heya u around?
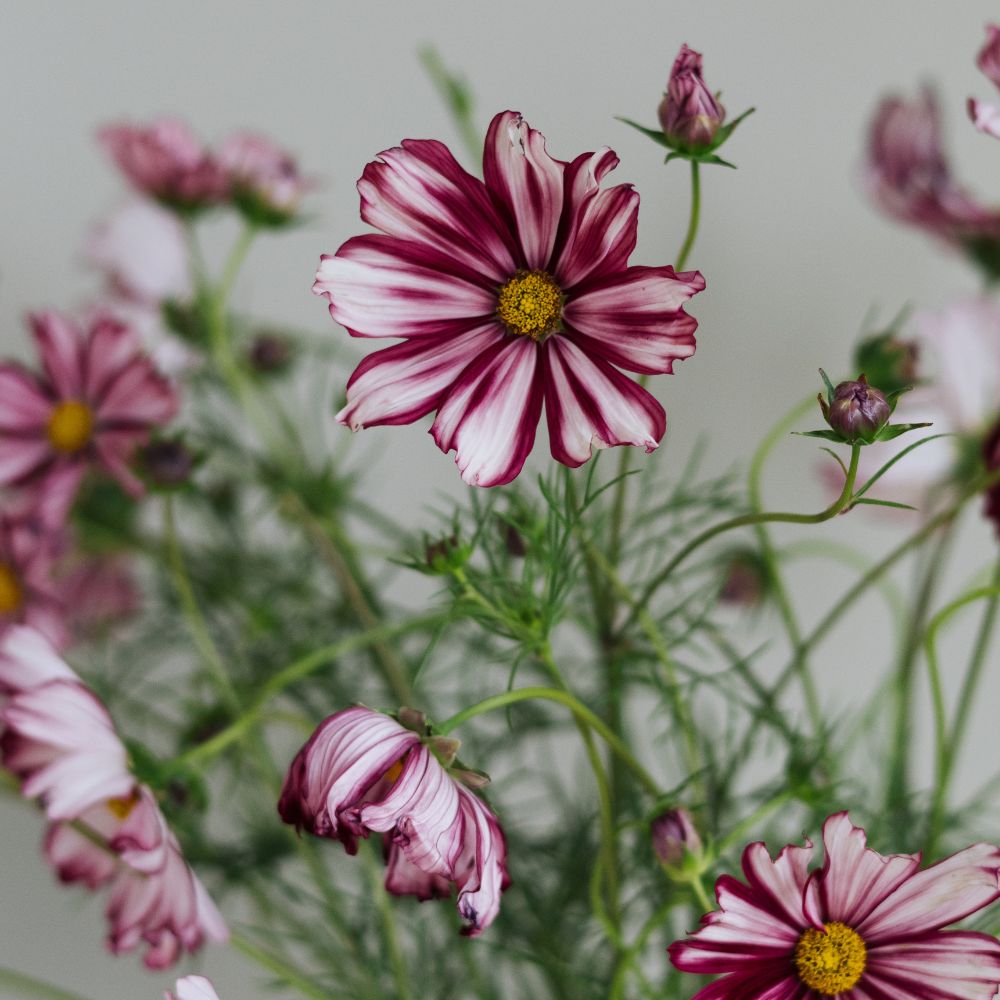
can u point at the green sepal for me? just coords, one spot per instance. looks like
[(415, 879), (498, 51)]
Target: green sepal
[(891, 431), (822, 435), (656, 134)]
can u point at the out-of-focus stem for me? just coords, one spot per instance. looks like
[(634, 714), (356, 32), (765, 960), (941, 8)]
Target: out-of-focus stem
[(285, 971), (29, 986), (389, 933)]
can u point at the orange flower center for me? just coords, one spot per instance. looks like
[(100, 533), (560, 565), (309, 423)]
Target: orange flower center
[(71, 426), (11, 594), (122, 806), (392, 775), (530, 304), (832, 960)]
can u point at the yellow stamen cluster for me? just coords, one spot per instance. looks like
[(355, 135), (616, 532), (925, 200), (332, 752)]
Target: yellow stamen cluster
[(70, 426), (830, 961), (392, 775), (530, 304), (11, 594), (122, 806)]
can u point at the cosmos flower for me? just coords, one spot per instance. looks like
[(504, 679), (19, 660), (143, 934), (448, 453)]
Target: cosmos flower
[(264, 180), (861, 927), (105, 827), (508, 295), (96, 402), (28, 593), (690, 115), (362, 771), (165, 161)]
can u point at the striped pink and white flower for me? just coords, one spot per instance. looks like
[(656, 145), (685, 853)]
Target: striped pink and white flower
[(511, 294), (863, 927), (192, 988), (96, 401), (363, 772), (29, 594), (105, 827)]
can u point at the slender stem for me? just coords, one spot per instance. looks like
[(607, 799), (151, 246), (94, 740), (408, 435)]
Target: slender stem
[(28, 986), (695, 217), (285, 971), (700, 894), (390, 934), (197, 626), (748, 520), (578, 709), (294, 672)]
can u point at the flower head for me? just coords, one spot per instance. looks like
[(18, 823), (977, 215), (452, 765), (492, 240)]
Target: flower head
[(96, 401), (690, 114), (861, 926), (264, 180), (28, 593), (105, 827), (165, 161), (362, 771), (510, 295)]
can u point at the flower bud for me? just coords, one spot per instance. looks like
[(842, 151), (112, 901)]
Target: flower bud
[(891, 361), (269, 353), (264, 181), (857, 411), (690, 116), (166, 463), (745, 580), (674, 836)]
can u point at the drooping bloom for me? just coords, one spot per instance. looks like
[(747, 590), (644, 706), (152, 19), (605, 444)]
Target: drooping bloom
[(861, 927), (362, 771), (986, 116), (690, 115), (165, 161), (105, 827), (508, 295), (264, 180), (28, 592), (908, 176), (96, 401)]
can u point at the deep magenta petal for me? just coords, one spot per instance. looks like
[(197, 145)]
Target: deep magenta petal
[(61, 347)]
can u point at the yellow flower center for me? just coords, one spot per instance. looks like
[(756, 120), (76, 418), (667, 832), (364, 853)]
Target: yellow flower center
[(530, 305), (122, 806), (11, 594), (71, 426), (832, 960), (392, 775)]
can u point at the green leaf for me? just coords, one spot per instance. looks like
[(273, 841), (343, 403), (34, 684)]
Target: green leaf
[(882, 503), (828, 384), (837, 459), (891, 431), (727, 130), (896, 458), (653, 133)]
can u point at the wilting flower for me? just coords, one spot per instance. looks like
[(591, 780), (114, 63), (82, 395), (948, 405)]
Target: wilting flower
[(192, 988), (28, 593), (361, 771), (264, 180), (508, 294), (96, 402), (165, 161), (862, 926), (105, 827), (690, 115), (908, 176), (985, 116)]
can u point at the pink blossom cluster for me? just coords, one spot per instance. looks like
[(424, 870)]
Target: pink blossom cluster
[(105, 829)]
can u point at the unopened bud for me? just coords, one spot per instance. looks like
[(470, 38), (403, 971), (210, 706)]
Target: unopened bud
[(690, 115), (269, 353), (166, 463), (745, 580), (888, 360), (857, 411), (674, 837)]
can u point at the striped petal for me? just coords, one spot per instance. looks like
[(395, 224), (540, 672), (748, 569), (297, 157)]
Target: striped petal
[(482, 877), (491, 413), (20, 458), (985, 116), (635, 319), (589, 404), (404, 382), (527, 182), (27, 659), (384, 287), (600, 226), (419, 192), (61, 346), (24, 404)]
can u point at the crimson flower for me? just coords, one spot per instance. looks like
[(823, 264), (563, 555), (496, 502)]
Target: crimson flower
[(105, 828), (862, 927), (361, 771), (508, 295), (96, 402)]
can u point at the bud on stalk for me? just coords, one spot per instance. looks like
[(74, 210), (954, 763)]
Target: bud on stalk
[(857, 411)]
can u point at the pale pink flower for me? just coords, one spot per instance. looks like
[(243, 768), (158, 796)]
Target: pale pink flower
[(361, 771), (985, 116), (28, 592), (509, 295), (165, 161), (192, 988), (105, 827), (690, 115), (95, 403), (864, 926), (264, 180)]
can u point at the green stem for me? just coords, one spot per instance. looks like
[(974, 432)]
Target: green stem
[(390, 934), (575, 706), (694, 219), (291, 674), (285, 971), (700, 894), (748, 520), (197, 626), (28, 986)]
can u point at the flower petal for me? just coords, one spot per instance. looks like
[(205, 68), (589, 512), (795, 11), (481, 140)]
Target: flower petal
[(528, 183), (379, 286), (635, 319), (24, 405), (985, 116), (937, 896), (589, 404), (418, 191), (61, 345), (21, 457), (404, 382), (27, 659), (193, 988), (482, 874), (600, 226), (491, 413)]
